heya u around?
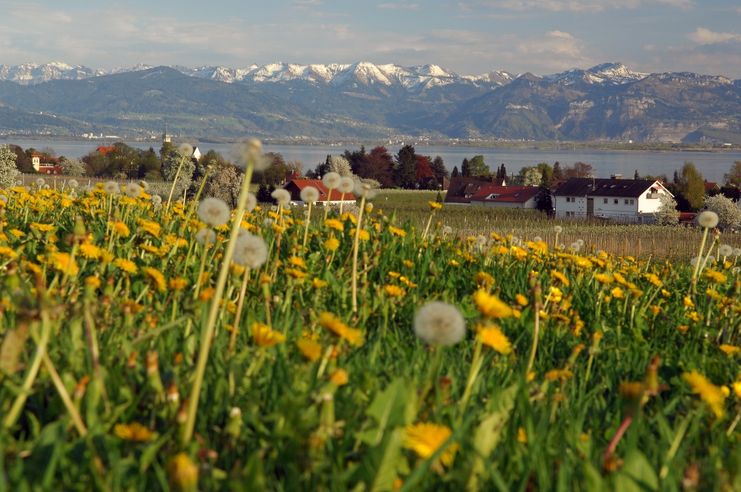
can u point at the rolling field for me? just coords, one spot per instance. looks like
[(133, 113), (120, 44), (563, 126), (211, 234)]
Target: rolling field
[(148, 345)]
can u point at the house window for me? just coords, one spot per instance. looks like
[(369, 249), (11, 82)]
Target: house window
[(605, 200), (616, 201), (632, 201), (626, 201)]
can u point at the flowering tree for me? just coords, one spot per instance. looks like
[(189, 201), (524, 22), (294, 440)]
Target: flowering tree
[(73, 167), (667, 213), (729, 214), (8, 171), (340, 165)]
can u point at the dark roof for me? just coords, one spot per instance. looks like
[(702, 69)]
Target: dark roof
[(461, 189), (508, 194), (632, 188), (296, 185)]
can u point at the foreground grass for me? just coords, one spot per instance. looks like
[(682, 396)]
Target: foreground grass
[(577, 371)]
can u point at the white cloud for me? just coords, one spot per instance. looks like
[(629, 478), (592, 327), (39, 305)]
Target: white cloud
[(398, 6), (681, 4), (561, 5), (702, 35)]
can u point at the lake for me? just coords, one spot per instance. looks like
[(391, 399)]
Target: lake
[(713, 165)]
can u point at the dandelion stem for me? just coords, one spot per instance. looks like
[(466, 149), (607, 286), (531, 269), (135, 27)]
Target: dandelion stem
[(473, 373), (699, 259), (208, 331), (238, 314), (306, 228), (355, 257), (59, 385), (174, 182)]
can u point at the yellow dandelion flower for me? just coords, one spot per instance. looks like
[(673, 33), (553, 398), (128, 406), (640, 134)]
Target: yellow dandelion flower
[(617, 293), (318, 283), (687, 302), (715, 276), (183, 473), (8, 252), (393, 290), (435, 205), (295, 273), (332, 243), (64, 263), (558, 374), (309, 349), (493, 337), (554, 294), (332, 323), (41, 227), (178, 283), (120, 228), (394, 274), (127, 266), (264, 336), (90, 251), (521, 300), (339, 377), (334, 224), (560, 277), (364, 235), (297, 261), (426, 438), (730, 349), (521, 435), (157, 278), (395, 231), (707, 391), (135, 432), (17, 233), (150, 227), (484, 279), (92, 281), (603, 278), (490, 305)]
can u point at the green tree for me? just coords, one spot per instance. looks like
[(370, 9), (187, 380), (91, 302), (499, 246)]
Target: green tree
[(478, 168), (546, 174), (438, 170), (170, 170), (557, 176), (733, 178), (406, 167), (9, 173), (465, 168), (691, 185), (455, 172)]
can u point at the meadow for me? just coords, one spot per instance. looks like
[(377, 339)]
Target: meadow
[(155, 344)]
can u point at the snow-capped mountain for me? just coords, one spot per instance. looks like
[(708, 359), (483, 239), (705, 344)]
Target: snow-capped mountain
[(34, 73), (603, 74)]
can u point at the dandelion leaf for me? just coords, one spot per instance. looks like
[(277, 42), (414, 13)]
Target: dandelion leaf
[(395, 406), (637, 474)]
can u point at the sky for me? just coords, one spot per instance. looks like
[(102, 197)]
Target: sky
[(465, 36)]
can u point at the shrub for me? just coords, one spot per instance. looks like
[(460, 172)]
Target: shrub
[(729, 214)]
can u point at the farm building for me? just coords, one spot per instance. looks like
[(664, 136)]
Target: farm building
[(624, 200), (295, 186), (492, 195), (44, 164)]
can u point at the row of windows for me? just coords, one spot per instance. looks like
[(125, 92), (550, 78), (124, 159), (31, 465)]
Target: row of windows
[(628, 201)]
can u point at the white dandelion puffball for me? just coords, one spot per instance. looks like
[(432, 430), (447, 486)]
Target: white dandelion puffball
[(3, 199), (736, 251), (281, 196), (447, 230), (248, 153), (580, 242), (331, 180), (725, 250), (575, 246), (694, 261), (40, 182), (185, 150), (133, 190), (346, 185), (562, 246), (711, 259), (111, 187), (72, 183), (557, 229), (213, 212), (46, 187), (707, 219), (250, 251), (144, 185), (364, 190), (537, 239), (309, 194), (439, 323), (251, 202), (206, 236), (156, 200)]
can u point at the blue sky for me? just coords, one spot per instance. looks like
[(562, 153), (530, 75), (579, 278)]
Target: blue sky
[(466, 36)]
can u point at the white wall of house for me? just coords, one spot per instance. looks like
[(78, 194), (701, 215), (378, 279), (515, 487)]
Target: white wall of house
[(35, 162), (570, 206), (626, 209), (528, 204), (620, 208)]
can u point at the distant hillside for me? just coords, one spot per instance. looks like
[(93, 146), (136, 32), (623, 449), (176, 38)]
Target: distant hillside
[(363, 100)]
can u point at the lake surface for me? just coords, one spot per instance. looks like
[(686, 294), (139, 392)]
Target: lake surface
[(713, 165)]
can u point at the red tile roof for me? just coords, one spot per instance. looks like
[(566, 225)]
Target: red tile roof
[(509, 194), (296, 185)]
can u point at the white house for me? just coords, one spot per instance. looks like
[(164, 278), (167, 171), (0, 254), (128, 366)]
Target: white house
[(492, 195), (623, 200)]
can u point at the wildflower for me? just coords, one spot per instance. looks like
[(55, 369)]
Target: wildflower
[(183, 473), (715, 276), (725, 250), (150, 227), (213, 212), (708, 392), (318, 283), (364, 190), (120, 228), (133, 190), (250, 251), (332, 243), (687, 301), (558, 374), (339, 377), (363, 235), (435, 205), (554, 294), (92, 281), (309, 194), (112, 188), (617, 293), (557, 229), (730, 349), (490, 305), (707, 219), (521, 300), (346, 185), (493, 337), (560, 277), (89, 250), (281, 196), (64, 263), (297, 261), (157, 278), (309, 349), (178, 283), (205, 236), (484, 279), (425, 439), (395, 231), (135, 432), (335, 325), (439, 323), (331, 180), (393, 290), (125, 265), (264, 336), (8, 252), (295, 273), (521, 435), (41, 227), (334, 224)]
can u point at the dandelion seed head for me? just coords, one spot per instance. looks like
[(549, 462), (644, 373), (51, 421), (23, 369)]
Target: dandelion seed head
[(447, 230), (364, 190), (309, 194), (557, 229), (72, 183), (346, 185), (575, 246), (737, 252), (248, 153), (250, 251), (251, 202), (40, 182), (707, 219), (111, 187), (439, 323), (580, 242), (725, 250), (331, 180), (133, 190), (205, 235), (694, 261), (213, 211), (283, 197), (185, 150), (46, 187), (156, 200), (537, 239), (144, 185)]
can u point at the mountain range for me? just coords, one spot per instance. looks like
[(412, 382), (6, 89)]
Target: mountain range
[(370, 101)]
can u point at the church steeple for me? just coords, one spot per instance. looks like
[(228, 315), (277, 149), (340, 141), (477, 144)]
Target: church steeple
[(166, 138)]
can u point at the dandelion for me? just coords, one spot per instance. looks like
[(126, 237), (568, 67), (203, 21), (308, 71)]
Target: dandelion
[(708, 392), (251, 202), (281, 196), (332, 243), (492, 336), (133, 190), (213, 212), (309, 195), (309, 349), (491, 306), (183, 473), (707, 219), (557, 229), (346, 185), (447, 230), (332, 323), (64, 262), (127, 266), (264, 336), (339, 377), (72, 183), (40, 182), (205, 236), (135, 432), (157, 278), (334, 224), (111, 188), (250, 251), (439, 323), (331, 180), (249, 152), (425, 439), (156, 201)]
